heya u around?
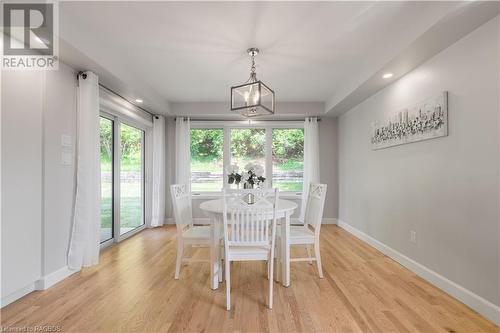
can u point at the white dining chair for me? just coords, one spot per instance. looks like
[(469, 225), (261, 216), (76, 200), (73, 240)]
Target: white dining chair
[(249, 218), (308, 234), (187, 233)]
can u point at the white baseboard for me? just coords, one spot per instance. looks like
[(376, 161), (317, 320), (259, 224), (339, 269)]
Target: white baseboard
[(196, 220), (12, 297), (51, 279), (45, 282), (201, 220), (476, 302), (329, 220)]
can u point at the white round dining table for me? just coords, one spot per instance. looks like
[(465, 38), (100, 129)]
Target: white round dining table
[(213, 209)]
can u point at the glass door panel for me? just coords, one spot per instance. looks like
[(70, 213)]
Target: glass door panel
[(106, 144), (131, 178)]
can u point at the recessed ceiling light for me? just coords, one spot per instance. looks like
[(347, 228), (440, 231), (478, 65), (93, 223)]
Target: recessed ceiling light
[(138, 100), (387, 75)]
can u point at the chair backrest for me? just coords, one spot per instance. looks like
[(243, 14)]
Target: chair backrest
[(181, 199), (314, 207), (250, 224)]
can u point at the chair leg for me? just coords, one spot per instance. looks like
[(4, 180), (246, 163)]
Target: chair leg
[(221, 271), (308, 248), (318, 258), (180, 252), (271, 282), (228, 285), (278, 259), (221, 266)]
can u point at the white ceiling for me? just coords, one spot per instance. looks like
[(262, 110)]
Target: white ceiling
[(194, 52)]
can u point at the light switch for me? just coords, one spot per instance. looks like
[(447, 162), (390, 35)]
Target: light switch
[(66, 158), (66, 140)]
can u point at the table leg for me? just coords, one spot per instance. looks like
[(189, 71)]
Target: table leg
[(285, 251), (214, 253)]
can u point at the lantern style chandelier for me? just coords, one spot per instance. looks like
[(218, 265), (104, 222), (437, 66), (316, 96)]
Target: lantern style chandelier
[(253, 98)]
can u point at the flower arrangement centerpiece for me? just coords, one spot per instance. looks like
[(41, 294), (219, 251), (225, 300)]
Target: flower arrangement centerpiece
[(252, 175)]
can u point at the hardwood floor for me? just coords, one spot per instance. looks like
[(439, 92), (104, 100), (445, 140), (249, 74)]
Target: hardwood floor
[(133, 290)]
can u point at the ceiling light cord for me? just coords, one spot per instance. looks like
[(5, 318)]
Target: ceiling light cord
[(253, 69), (253, 74)]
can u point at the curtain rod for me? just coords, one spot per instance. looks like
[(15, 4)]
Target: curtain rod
[(264, 120), (117, 94)]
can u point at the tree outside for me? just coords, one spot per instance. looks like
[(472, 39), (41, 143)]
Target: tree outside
[(288, 159), (206, 159)]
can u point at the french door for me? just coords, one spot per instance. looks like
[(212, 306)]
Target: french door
[(122, 179)]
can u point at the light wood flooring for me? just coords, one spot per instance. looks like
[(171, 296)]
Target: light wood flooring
[(133, 290)]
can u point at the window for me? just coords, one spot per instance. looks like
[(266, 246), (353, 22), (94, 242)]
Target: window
[(288, 159), (206, 159), (277, 147), (248, 145)]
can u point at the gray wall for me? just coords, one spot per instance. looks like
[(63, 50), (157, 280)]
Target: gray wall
[(59, 179), (37, 190), (445, 189), (328, 157), (21, 122), (328, 164)]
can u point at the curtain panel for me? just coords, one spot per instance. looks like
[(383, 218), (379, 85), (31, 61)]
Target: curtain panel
[(85, 234), (183, 151), (159, 167), (311, 160)]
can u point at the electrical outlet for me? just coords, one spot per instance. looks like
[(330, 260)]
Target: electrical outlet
[(413, 236), (66, 158)]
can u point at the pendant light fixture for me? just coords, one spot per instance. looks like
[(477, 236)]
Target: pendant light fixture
[(253, 98)]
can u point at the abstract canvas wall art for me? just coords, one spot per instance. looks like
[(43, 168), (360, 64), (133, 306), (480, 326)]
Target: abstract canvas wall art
[(425, 120)]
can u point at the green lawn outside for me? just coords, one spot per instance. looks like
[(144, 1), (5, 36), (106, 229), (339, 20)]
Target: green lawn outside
[(288, 165), (130, 205), (126, 164), (206, 165), (130, 212), (288, 185)]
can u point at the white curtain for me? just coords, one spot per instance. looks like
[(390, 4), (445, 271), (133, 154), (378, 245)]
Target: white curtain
[(182, 151), (158, 200), (85, 235), (311, 159)]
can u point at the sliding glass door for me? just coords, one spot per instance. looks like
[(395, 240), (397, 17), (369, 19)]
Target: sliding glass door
[(122, 147), (131, 178), (106, 140)]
